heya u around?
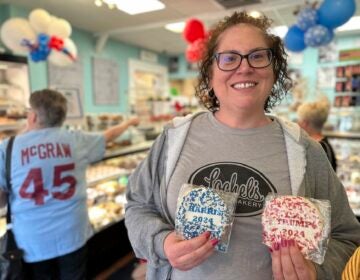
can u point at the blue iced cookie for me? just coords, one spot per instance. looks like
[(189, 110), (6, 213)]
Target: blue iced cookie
[(200, 210)]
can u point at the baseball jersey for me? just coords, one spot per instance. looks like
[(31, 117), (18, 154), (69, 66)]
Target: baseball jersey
[(48, 197)]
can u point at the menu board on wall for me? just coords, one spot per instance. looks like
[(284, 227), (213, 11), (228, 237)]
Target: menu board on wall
[(105, 81), (69, 81)]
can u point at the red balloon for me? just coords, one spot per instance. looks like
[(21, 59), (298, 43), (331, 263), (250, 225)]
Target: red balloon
[(194, 29), (195, 50)]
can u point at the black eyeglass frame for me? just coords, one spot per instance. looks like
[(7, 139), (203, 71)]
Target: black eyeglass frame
[(242, 56)]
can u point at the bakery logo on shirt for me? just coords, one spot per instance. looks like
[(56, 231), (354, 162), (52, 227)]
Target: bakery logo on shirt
[(250, 184)]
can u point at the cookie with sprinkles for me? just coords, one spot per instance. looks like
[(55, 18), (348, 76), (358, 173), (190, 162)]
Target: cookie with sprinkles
[(294, 218), (203, 209)]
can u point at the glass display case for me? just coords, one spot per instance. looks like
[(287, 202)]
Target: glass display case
[(347, 149), (14, 93), (107, 182)]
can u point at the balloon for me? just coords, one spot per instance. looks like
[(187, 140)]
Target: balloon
[(56, 43), (318, 35), (294, 39), (13, 31), (194, 29), (39, 20), (60, 28), (333, 13), (43, 40), (61, 58), (39, 54), (306, 18), (195, 50)]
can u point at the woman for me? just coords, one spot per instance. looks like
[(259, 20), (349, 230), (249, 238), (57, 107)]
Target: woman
[(243, 74), (312, 117)]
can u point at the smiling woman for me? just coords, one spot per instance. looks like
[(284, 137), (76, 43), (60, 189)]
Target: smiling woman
[(237, 148)]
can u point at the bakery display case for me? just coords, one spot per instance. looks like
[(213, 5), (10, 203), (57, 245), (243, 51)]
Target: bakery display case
[(14, 93), (107, 182), (347, 150)]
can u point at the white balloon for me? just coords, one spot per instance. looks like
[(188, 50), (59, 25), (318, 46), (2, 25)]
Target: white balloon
[(59, 27), (39, 20), (13, 31), (61, 59)]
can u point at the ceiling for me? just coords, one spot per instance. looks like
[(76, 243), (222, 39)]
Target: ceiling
[(147, 30)]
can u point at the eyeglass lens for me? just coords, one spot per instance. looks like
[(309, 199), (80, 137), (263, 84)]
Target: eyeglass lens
[(231, 60)]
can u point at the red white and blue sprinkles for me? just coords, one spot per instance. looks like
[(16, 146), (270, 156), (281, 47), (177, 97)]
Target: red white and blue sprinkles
[(200, 210)]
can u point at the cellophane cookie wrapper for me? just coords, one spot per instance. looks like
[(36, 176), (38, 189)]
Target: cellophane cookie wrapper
[(305, 220), (200, 209)]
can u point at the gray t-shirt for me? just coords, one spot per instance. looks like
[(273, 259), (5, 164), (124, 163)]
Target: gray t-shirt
[(252, 162)]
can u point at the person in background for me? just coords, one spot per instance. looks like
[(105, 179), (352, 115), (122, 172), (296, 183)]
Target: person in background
[(48, 195), (243, 74), (311, 117)]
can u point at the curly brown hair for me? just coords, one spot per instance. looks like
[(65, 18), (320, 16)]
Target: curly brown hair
[(283, 83)]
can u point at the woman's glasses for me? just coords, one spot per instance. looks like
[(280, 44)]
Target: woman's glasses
[(228, 61)]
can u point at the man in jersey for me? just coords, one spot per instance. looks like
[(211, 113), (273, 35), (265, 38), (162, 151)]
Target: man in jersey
[(237, 148), (48, 195)]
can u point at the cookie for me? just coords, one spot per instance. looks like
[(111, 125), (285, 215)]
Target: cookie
[(200, 210), (293, 218)]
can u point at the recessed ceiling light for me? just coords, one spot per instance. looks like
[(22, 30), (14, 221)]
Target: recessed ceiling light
[(134, 7), (176, 27), (255, 14)]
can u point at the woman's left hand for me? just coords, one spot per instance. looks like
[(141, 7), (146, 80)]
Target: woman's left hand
[(289, 263)]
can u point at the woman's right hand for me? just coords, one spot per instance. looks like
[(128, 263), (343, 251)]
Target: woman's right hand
[(186, 254)]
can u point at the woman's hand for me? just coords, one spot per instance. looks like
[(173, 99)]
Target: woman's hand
[(186, 254), (289, 263)]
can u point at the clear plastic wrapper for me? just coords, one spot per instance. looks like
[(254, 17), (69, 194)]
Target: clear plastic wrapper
[(200, 209), (305, 220)]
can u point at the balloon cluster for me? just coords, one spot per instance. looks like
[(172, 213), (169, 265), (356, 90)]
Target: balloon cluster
[(194, 33), (315, 27), (43, 37)]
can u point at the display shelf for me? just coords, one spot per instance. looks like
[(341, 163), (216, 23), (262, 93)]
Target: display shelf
[(12, 126), (127, 150), (347, 149), (344, 135), (107, 180)]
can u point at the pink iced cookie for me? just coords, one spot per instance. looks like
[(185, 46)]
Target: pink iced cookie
[(293, 217)]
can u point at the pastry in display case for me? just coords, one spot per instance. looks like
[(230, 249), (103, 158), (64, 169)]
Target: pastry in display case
[(348, 166), (107, 182), (14, 93)]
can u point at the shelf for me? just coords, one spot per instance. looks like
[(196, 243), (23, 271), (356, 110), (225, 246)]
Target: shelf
[(347, 93), (345, 134), (135, 148), (107, 178), (14, 126), (349, 109)]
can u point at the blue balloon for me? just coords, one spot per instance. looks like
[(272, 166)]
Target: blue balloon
[(333, 13), (35, 56), (307, 18), (43, 39), (318, 35), (294, 39), (39, 54)]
